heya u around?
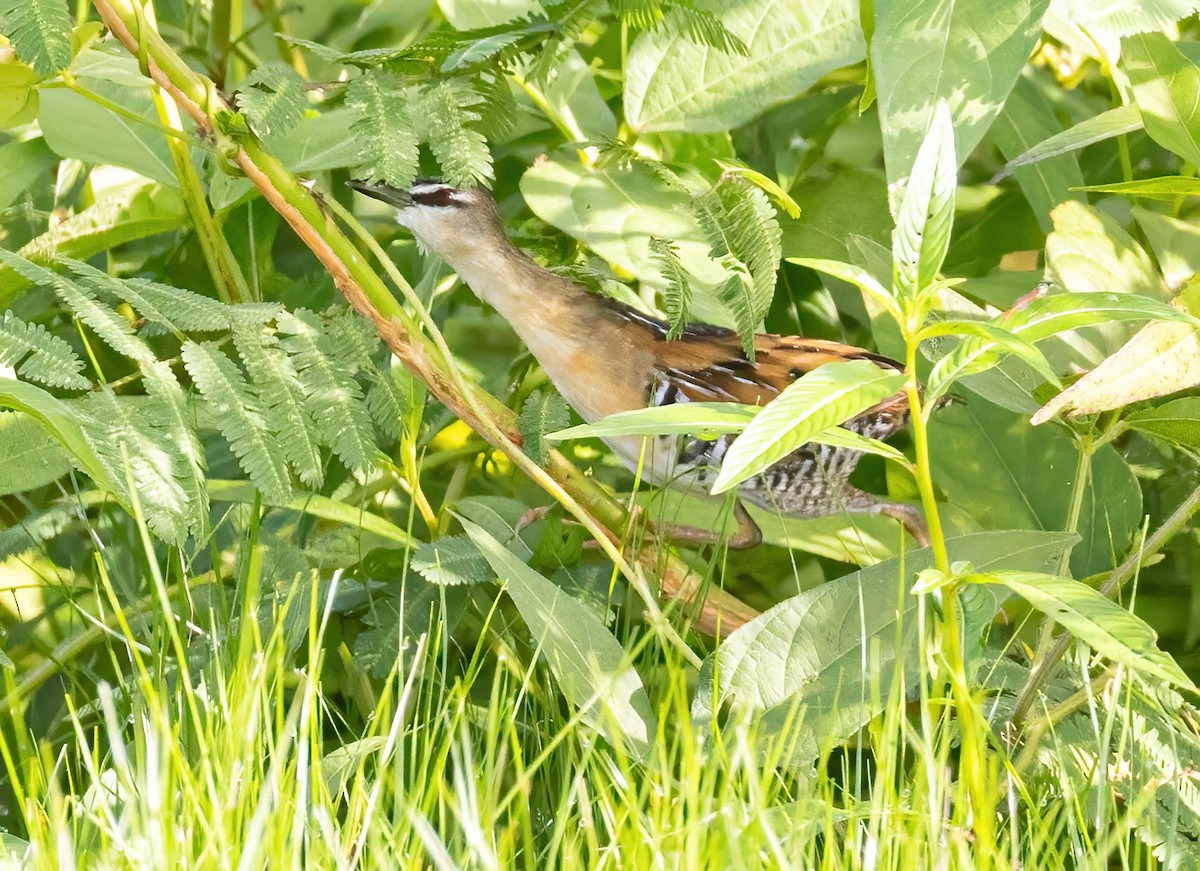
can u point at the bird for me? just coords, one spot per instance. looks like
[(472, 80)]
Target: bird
[(604, 357)]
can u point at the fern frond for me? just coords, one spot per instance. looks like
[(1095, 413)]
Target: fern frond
[(740, 225), (38, 355), (396, 400), (236, 413), (704, 27), (40, 31), (489, 44), (499, 111), (333, 398), (385, 128), (176, 422), (448, 109), (677, 294), (126, 434), (178, 310), (348, 337), (698, 25), (273, 100), (623, 156), (281, 401), (113, 330), (451, 561), (640, 14)]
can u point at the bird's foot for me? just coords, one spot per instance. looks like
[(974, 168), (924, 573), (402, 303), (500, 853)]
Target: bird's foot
[(747, 535)]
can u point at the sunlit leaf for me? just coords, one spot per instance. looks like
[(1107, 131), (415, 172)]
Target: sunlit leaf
[(825, 397), (966, 52)]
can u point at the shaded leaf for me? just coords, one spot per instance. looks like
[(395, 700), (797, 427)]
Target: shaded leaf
[(1103, 625), (589, 664)]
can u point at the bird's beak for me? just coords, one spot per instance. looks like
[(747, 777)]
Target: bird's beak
[(380, 191)]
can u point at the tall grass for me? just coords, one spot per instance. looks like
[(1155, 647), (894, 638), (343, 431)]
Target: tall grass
[(267, 745)]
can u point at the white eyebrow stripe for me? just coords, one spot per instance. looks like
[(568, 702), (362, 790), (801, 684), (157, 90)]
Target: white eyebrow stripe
[(424, 189)]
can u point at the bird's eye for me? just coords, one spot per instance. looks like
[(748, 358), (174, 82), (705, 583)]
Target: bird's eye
[(440, 196)]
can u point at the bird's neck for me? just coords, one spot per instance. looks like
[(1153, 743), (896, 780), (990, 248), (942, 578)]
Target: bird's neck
[(572, 333), (541, 306)]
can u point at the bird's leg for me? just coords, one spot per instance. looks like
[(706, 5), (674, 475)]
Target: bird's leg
[(910, 516), (747, 535)]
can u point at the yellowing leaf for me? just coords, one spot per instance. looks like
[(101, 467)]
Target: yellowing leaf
[(1162, 358)]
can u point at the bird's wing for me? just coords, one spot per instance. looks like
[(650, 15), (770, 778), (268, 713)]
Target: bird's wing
[(713, 367)]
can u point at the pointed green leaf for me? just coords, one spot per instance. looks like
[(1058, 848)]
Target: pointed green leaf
[(966, 52), (1166, 89), (590, 665), (926, 217), (825, 397), (1102, 624)]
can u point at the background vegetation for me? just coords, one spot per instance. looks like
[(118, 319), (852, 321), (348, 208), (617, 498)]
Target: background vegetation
[(300, 569)]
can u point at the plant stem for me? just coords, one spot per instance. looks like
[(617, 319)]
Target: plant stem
[(972, 726)]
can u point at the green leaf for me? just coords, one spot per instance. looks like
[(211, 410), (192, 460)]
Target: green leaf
[(592, 669), (332, 397), (706, 419), (113, 330), (740, 225), (24, 163), (836, 649), (586, 203), (767, 185), (40, 31), (273, 100), (1102, 624), (27, 459), (144, 212), (1000, 473), (1090, 252), (677, 293), (825, 397), (1114, 18), (19, 94), (133, 437), (174, 308), (281, 402), (1041, 318), (966, 52), (543, 412), (927, 214), (384, 129), (1168, 187), (1089, 131), (61, 421), (856, 275), (452, 561), (1177, 421), (76, 126), (1048, 172), (1166, 90), (447, 115), (674, 82), (236, 413)]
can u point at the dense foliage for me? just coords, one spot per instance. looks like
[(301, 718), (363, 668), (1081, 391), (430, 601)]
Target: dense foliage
[(303, 563)]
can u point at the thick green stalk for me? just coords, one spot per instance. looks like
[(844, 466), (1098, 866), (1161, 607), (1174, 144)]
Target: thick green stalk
[(972, 726)]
